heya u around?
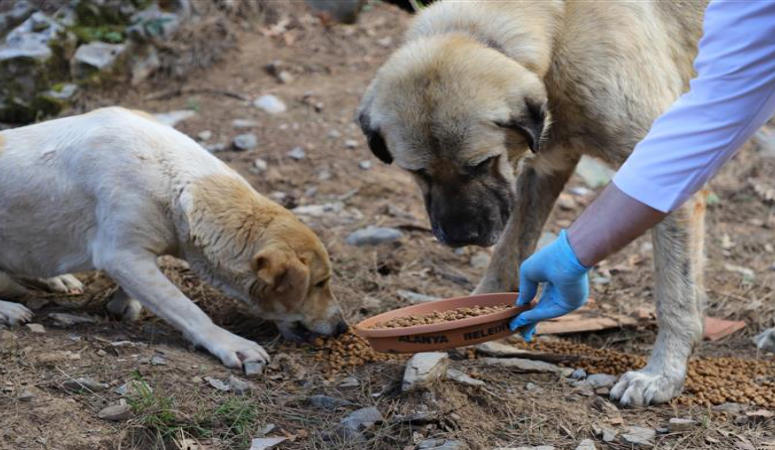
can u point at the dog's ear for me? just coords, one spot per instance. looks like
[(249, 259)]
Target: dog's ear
[(529, 121), (284, 273), (374, 137)]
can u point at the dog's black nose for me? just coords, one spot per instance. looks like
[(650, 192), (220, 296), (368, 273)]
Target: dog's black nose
[(460, 234), (341, 328)]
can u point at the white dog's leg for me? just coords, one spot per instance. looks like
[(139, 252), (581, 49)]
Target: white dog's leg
[(63, 284), (141, 278), (123, 307), (678, 259), (13, 313)]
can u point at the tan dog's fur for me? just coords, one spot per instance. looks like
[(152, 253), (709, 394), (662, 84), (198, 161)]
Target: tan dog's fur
[(476, 83)]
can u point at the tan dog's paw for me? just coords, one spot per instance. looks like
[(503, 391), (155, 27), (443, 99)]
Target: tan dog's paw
[(63, 284), (231, 349), (13, 313)]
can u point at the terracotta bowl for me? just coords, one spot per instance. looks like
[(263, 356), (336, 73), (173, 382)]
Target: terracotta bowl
[(440, 336)]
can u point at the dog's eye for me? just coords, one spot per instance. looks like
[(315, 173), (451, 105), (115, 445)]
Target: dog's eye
[(321, 284), (482, 166)]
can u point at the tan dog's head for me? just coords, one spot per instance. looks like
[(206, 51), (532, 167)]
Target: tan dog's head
[(257, 251), (458, 116)]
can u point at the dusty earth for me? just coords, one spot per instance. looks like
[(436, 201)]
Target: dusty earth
[(331, 66)]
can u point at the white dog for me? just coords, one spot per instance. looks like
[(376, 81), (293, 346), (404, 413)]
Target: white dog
[(113, 189)]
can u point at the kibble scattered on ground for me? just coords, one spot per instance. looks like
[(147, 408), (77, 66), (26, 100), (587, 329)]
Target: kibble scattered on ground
[(346, 352), (442, 316)]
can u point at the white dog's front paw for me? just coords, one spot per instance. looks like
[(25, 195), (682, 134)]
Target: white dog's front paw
[(63, 284), (13, 313), (124, 308), (644, 387), (233, 350)]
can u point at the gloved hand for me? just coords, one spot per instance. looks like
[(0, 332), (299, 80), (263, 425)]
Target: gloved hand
[(566, 288)]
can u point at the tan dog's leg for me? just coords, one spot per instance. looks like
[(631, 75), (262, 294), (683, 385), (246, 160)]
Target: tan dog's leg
[(535, 197), (678, 261), (123, 307), (141, 279)]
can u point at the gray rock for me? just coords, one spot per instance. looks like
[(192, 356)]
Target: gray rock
[(205, 135), (522, 365), (217, 147), (240, 124), (64, 320), (16, 14), (319, 210), (116, 413), (349, 382), (442, 444), (26, 396), (260, 165), (415, 297), (326, 402), (609, 435), (343, 11), (158, 360), (586, 444), (480, 260), (173, 118), (334, 134), (297, 153), (218, 384), (639, 437), (765, 141), (579, 374), (677, 425), (31, 39), (95, 57), (500, 349), (143, 64), (362, 419), (729, 408), (423, 369), (134, 388), (245, 142), (36, 328), (766, 340), (351, 144), (84, 384), (460, 377), (594, 173), (63, 93), (547, 237), (253, 369), (373, 236), (530, 386), (365, 165), (239, 387), (265, 443), (600, 380), (271, 104), (153, 24)]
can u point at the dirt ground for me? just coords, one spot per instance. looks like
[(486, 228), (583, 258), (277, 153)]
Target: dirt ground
[(331, 67)]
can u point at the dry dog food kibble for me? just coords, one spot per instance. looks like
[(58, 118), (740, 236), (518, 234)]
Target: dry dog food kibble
[(441, 316), (345, 352)]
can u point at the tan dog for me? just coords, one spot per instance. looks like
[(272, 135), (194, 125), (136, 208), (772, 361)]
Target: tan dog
[(113, 189), (477, 84)]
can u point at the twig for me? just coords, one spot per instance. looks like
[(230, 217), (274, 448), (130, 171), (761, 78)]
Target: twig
[(165, 95)]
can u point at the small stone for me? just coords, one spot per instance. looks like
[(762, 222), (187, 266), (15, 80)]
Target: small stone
[(566, 202), (442, 444), (116, 413), (84, 384), (135, 388), (265, 443), (101, 352), (158, 360), (386, 41), (522, 365), (729, 408), (500, 349), (36, 328), (253, 369), (600, 380), (579, 374), (365, 165), (26, 396), (741, 420), (460, 377), (351, 144), (277, 196), (319, 210), (260, 165), (153, 24), (362, 419), (245, 142), (586, 444), (334, 134), (748, 274), (371, 235), (64, 92), (349, 382), (325, 402), (217, 384), (604, 391), (271, 104), (765, 341), (217, 148), (530, 386), (639, 436), (609, 435), (605, 406), (204, 135), (297, 153), (415, 297), (95, 57), (423, 369), (678, 425), (241, 124), (480, 260), (143, 64), (173, 118), (238, 386), (64, 320)]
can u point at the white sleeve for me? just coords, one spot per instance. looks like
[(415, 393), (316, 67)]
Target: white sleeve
[(732, 96)]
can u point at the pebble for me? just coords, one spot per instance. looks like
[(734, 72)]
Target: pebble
[(36, 328), (245, 142), (173, 118), (729, 408), (241, 124), (423, 369), (677, 425), (639, 436), (84, 384), (134, 388), (496, 348), (326, 402), (158, 360), (480, 260), (116, 413), (334, 134), (373, 236), (297, 153), (766, 340), (442, 444), (530, 386), (586, 444), (415, 297), (26, 396), (600, 380), (349, 382), (271, 104), (217, 147), (362, 419), (539, 447), (253, 369), (365, 165), (462, 378), (522, 365), (265, 443), (351, 144), (238, 386), (204, 135), (260, 164), (579, 374), (319, 210), (217, 384), (95, 56)]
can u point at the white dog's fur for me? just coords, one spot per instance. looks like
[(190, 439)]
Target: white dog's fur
[(113, 189)]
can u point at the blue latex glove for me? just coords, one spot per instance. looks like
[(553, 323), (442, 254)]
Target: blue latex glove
[(566, 288)]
